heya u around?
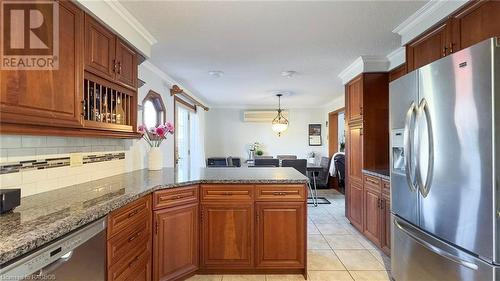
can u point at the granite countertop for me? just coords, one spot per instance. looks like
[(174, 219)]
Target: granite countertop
[(381, 173), (44, 217)]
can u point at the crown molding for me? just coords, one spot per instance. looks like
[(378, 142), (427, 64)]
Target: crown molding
[(396, 57), (364, 64), (116, 17), (132, 21), (165, 77), (431, 13)]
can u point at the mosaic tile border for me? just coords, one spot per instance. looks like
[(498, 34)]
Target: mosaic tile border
[(27, 165)]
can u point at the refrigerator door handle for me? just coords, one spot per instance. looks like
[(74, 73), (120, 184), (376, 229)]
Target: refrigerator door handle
[(425, 187), (407, 230), (408, 146)]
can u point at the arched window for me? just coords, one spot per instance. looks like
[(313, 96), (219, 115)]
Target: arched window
[(153, 110)]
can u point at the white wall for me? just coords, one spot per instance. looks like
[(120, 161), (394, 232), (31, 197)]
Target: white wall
[(227, 134)]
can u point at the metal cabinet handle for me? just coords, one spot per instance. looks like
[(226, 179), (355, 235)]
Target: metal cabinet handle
[(408, 137), (133, 213), (132, 238), (133, 261), (425, 187), (404, 227)]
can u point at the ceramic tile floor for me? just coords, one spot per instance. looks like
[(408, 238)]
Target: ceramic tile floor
[(336, 250)]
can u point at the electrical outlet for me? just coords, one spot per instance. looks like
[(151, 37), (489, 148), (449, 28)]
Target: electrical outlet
[(75, 159)]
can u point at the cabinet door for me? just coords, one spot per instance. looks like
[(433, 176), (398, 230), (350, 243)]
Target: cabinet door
[(354, 95), (175, 243), (478, 21), (49, 97), (274, 250), (355, 153), (355, 204), (99, 49), (371, 227), (428, 48), (385, 237), (227, 235), (126, 64)]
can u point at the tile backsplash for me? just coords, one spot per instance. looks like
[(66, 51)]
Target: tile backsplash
[(15, 149)]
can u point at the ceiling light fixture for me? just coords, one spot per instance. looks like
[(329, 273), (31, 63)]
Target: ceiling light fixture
[(288, 73), (280, 123), (216, 73)]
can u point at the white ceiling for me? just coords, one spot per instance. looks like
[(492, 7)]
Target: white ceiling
[(253, 42)]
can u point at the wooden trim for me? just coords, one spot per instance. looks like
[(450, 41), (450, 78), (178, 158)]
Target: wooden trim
[(176, 90), (333, 142), (185, 103), (337, 111), (157, 100), (22, 129), (397, 72)]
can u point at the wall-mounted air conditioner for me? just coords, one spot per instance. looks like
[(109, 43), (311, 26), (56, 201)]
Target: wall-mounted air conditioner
[(262, 115)]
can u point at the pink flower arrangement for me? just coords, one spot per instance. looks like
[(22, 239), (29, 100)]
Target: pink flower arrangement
[(156, 135)]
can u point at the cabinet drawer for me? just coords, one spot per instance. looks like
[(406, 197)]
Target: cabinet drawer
[(227, 192), (126, 268), (372, 182), (122, 218), (175, 197), (278, 192), (121, 245), (386, 186)]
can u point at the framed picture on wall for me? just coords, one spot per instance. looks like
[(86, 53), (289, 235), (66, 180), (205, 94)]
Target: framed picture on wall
[(314, 134)]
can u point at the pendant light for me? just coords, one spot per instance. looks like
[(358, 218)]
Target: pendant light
[(280, 123)]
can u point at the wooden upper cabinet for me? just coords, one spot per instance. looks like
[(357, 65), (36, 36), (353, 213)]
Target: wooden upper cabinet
[(227, 235), (99, 49), (108, 56), (430, 47), (175, 242), (48, 97), (397, 72), (126, 64), (280, 250), (354, 95), (355, 153), (474, 23)]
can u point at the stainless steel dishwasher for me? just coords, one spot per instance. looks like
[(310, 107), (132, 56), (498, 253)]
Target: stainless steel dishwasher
[(78, 256)]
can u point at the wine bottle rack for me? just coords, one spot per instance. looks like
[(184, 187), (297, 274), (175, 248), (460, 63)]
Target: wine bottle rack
[(106, 105)]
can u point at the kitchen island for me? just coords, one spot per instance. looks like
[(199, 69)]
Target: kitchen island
[(213, 220)]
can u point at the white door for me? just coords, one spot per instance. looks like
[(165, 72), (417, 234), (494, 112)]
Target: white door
[(182, 140)]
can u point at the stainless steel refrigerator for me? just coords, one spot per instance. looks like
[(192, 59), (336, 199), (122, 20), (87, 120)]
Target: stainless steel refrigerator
[(445, 147)]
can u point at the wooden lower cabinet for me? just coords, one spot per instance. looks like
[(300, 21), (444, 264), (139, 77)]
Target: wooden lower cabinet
[(287, 250), (129, 242), (143, 273), (227, 235), (355, 204), (376, 211), (372, 214), (170, 236), (175, 242), (385, 218)]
